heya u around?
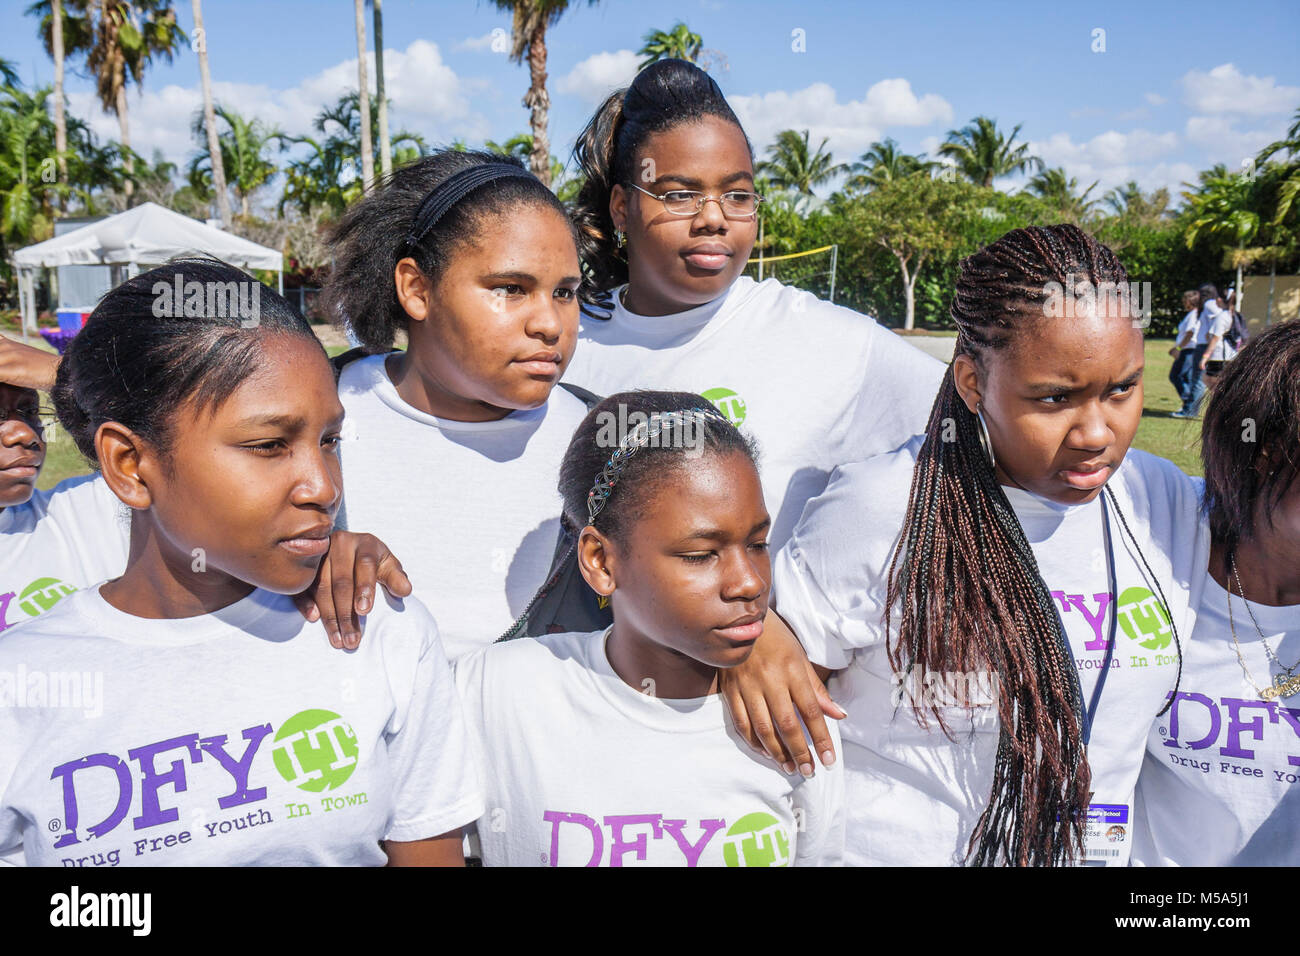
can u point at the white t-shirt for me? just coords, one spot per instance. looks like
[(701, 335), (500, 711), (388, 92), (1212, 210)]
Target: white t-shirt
[(239, 737), (64, 539), (1221, 782), (583, 770), (1221, 326), (1189, 322), (1209, 312), (817, 384), (471, 509), (913, 794)]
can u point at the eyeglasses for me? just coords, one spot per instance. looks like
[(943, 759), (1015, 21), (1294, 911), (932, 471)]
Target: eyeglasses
[(736, 204), (34, 418)]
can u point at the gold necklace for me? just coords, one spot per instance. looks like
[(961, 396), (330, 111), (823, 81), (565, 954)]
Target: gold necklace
[(1284, 685)]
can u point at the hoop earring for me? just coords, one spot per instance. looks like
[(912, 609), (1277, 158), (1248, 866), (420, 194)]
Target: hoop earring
[(985, 442)]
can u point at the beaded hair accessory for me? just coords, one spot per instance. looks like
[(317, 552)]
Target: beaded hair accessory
[(638, 437)]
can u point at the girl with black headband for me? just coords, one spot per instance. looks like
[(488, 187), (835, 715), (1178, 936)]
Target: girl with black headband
[(1003, 602), (451, 445), (612, 748)]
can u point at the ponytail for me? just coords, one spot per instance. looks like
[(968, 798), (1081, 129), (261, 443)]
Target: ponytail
[(663, 96)]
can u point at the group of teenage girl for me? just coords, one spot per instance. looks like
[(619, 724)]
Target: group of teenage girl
[(812, 597)]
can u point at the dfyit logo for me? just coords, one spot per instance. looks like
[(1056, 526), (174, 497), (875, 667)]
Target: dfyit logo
[(756, 839), (42, 594), (1144, 619), (727, 402), (315, 750), (75, 908)]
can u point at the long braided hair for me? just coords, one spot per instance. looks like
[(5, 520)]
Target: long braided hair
[(966, 578)]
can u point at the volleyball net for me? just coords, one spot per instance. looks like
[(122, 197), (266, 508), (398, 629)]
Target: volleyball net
[(812, 269)]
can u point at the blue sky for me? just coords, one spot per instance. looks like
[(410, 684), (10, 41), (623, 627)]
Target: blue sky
[(1179, 86)]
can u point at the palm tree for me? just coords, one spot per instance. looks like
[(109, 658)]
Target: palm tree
[(241, 149), (119, 39), (1290, 185), (54, 25), (883, 163), (9, 74), (1226, 209), (792, 165), (1062, 193), (210, 121), (327, 178), (531, 19), (520, 147), (367, 158), (982, 154), (381, 102), (1129, 202), (679, 43)]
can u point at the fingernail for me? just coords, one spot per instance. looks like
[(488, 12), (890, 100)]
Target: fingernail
[(788, 766), (806, 769), (828, 758)]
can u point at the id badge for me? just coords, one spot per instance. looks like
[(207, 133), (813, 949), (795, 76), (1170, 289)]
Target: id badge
[(1108, 835)]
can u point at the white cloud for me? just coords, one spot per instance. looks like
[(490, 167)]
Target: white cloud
[(1113, 158), (1222, 142), (1155, 99), (1225, 89), (599, 75), (850, 126), (427, 97)]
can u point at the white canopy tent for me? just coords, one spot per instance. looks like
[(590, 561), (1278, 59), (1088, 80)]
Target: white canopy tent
[(147, 235)]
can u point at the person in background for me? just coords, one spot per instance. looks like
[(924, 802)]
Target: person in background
[(1211, 304), (1184, 350)]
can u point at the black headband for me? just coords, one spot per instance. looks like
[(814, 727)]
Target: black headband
[(453, 189)]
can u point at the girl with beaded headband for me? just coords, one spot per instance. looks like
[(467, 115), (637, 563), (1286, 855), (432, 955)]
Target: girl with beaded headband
[(1000, 601), (667, 219), (574, 729), (471, 261), (1220, 782)]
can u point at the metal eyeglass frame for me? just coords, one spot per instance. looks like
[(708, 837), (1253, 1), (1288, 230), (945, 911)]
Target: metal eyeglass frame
[(705, 197)]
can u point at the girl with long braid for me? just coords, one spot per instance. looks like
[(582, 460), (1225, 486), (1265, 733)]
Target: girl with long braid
[(1000, 601)]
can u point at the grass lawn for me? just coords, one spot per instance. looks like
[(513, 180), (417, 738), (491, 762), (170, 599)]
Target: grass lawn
[(1172, 438)]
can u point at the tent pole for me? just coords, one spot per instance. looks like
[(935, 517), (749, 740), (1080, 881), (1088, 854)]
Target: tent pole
[(280, 277)]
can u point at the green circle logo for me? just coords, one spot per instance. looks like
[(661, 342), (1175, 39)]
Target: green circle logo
[(728, 402), (1144, 619), (42, 594), (315, 750), (756, 839)]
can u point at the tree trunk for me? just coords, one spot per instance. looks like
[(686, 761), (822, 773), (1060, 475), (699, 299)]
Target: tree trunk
[(363, 93), (125, 129), (538, 102), (909, 292), (385, 144), (210, 121), (1241, 293), (60, 124), (243, 204)]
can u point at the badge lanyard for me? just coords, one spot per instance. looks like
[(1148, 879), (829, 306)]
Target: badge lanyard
[(1090, 714)]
